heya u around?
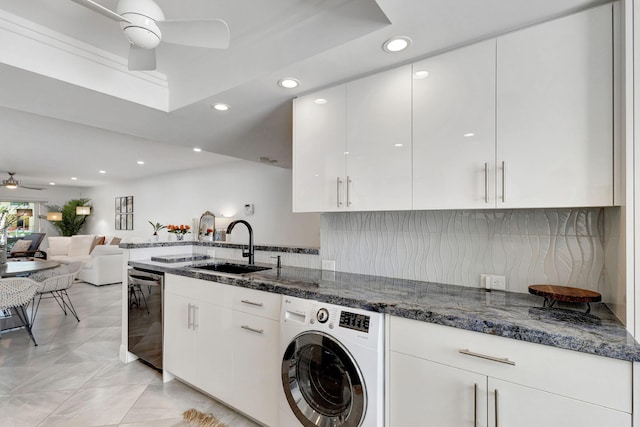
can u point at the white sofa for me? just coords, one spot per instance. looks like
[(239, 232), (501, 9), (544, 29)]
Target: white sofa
[(68, 250), (102, 264)]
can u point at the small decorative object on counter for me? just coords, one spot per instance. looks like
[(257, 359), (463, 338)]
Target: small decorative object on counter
[(178, 230), (156, 227), (553, 293)]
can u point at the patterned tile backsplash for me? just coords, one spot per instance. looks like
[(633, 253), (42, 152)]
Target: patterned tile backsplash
[(558, 246)]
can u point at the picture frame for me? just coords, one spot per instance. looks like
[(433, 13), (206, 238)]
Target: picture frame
[(123, 207)]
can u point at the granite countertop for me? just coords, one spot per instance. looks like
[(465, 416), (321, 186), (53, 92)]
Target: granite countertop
[(268, 248), (507, 314)]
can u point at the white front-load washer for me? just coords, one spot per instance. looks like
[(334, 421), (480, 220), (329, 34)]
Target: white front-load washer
[(332, 365)]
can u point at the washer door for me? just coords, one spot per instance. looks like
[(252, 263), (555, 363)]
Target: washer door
[(322, 382)]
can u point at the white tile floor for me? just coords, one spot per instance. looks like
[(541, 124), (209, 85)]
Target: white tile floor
[(74, 378)]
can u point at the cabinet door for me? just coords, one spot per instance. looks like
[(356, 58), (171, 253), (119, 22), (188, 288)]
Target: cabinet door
[(214, 355), (424, 393), (454, 129), (379, 141), (527, 407), (319, 151), (554, 113), (179, 337), (256, 381)]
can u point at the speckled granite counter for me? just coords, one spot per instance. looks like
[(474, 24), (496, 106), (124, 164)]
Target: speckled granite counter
[(268, 248), (506, 314)]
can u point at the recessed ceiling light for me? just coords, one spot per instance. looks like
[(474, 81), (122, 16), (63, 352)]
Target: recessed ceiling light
[(197, 150), (221, 107), (398, 145), (140, 162), (470, 134), (52, 183), (422, 74), (288, 83), (73, 178), (102, 172), (396, 44), (320, 101)]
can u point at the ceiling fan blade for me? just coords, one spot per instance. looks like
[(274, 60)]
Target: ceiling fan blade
[(211, 33), (32, 188), (141, 59), (100, 9)]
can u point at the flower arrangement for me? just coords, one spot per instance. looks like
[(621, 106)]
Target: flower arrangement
[(157, 227), (178, 229)]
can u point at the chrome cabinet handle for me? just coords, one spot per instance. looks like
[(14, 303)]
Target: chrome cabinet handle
[(486, 182), (348, 198), (189, 317), (248, 328), (338, 182), (257, 304), (475, 405), (503, 184), (196, 317), (484, 356), (496, 407)]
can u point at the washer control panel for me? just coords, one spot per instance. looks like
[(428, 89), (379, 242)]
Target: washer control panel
[(357, 322)]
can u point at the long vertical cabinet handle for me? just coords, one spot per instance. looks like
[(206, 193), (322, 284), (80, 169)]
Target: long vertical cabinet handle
[(196, 317), (496, 407), (475, 405), (348, 198), (190, 316), (338, 202), (486, 182), (503, 184)]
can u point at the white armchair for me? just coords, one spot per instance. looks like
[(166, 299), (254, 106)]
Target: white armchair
[(104, 267)]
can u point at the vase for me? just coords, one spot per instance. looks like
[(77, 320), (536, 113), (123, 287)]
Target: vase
[(179, 237), (155, 238)]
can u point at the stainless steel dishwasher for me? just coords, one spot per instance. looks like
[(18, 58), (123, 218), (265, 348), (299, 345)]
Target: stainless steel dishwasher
[(146, 299)]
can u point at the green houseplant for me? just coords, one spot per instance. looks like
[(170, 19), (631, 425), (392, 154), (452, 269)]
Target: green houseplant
[(156, 227), (71, 223)]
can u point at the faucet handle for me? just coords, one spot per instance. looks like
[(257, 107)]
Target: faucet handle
[(245, 252), (278, 263)]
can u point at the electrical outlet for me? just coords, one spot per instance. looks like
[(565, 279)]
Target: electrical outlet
[(493, 281), (329, 265)]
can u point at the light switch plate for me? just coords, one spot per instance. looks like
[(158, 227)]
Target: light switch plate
[(248, 209)]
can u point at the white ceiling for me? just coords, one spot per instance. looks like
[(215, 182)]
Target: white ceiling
[(68, 107)]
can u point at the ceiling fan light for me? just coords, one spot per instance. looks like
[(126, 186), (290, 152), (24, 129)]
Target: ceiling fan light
[(143, 37), (11, 186)]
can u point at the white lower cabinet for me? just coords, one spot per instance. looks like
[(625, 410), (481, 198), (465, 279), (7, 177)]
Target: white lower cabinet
[(224, 340), (425, 393), (443, 376), (256, 384)]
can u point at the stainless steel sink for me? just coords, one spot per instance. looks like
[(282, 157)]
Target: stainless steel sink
[(230, 268)]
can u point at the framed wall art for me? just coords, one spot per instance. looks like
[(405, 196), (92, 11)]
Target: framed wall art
[(123, 213)]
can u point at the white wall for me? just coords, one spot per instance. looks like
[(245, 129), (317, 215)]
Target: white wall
[(178, 198)]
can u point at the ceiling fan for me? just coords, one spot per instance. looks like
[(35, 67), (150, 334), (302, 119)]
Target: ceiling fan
[(144, 25), (12, 183)]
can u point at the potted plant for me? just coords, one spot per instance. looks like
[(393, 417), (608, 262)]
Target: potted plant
[(71, 223), (156, 227)]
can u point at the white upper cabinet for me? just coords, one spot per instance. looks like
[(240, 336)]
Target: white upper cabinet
[(352, 146), (379, 142), (319, 150), (555, 113), (454, 129)]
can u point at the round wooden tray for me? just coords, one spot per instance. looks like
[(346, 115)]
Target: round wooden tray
[(553, 293)]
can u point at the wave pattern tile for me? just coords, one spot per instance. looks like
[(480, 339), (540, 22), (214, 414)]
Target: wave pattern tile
[(558, 246)]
